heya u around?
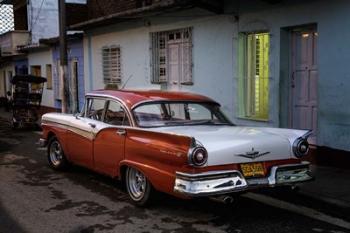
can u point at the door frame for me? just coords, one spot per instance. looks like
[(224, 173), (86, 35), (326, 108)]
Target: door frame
[(301, 28)]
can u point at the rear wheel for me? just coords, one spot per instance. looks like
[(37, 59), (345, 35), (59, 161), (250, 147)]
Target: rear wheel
[(55, 155), (138, 186)]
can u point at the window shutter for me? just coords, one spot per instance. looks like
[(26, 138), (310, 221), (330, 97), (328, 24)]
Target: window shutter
[(187, 56), (159, 57), (111, 64)]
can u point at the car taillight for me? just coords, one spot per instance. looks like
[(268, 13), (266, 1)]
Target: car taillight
[(199, 156), (300, 147)]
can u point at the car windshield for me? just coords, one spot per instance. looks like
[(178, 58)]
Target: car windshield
[(178, 114)]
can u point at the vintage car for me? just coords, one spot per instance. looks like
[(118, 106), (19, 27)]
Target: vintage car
[(173, 142)]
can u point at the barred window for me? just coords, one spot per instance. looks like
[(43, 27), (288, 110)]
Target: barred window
[(254, 80), (111, 64), (162, 44)]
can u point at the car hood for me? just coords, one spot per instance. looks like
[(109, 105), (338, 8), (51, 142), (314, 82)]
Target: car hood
[(233, 144)]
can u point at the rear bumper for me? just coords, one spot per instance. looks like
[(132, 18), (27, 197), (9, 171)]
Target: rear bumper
[(230, 181)]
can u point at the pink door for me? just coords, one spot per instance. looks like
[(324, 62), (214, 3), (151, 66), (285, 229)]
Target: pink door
[(304, 81)]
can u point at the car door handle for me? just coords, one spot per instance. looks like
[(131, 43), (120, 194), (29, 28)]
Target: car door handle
[(121, 132), (92, 125)]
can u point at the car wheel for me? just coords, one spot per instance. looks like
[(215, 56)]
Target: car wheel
[(55, 155), (138, 186)]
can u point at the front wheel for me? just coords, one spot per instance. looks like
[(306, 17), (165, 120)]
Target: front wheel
[(138, 186), (55, 155)]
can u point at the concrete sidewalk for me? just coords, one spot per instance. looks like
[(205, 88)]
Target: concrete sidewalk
[(331, 185)]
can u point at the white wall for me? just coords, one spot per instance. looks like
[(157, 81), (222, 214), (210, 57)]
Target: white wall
[(215, 71), (42, 58), (6, 69), (212, 55)]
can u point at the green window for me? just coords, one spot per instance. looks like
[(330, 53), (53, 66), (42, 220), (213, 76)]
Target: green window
[(254, 76)]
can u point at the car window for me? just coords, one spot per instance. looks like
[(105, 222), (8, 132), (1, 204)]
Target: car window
[(199, 112), (95, 109), (172, 113), (116, 115)]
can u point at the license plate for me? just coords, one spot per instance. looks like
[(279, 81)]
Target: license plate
[(253, 169)]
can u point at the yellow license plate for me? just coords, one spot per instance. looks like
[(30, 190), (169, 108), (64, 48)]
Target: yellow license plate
[(253, 169)]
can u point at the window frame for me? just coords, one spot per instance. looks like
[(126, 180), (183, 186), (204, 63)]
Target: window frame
[(243, 70), (223, 115), (126, 115), (49, 76), (83, 113), (87, 107), (159, 42), (107, 62)]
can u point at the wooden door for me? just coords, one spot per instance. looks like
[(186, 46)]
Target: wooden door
[(304, 78)]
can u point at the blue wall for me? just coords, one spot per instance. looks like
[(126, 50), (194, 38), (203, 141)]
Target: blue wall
[(21, 66), (333, 25), (75, 51)]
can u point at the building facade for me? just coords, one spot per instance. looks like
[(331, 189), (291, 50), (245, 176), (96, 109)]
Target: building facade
[(261, 60)]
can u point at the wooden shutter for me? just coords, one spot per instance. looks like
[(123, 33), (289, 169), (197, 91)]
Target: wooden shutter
[(159, 59), (187, 56)]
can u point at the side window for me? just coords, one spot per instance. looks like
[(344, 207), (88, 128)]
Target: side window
[(95, 109), (200, 112), (116, 115)]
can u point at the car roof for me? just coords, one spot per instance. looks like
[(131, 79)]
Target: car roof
[(131, 98)]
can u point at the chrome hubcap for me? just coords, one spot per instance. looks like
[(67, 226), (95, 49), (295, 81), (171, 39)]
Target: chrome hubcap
[(56, 155), (137, 184)]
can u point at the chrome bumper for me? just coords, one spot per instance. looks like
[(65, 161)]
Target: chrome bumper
[(42, 142), (221, 182)]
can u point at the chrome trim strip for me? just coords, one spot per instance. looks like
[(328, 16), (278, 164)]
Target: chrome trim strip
[(229, 181), (209, 183), (173, 101)]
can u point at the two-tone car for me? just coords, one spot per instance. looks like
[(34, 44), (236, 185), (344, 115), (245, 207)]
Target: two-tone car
[(173, 142)]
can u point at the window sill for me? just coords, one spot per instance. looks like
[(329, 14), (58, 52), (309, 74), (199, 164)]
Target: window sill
[(252, 119)]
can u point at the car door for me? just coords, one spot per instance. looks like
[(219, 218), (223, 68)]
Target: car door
[(109, 142), (83, 131)]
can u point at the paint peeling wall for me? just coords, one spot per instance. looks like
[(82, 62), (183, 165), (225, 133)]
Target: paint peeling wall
[(5, 84), (212, 54), (75, 51), (42, 58), (333, 57), (215, 50)]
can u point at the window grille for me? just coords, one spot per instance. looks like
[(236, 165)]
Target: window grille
[(159, 55), (254, 81), (111, 64)]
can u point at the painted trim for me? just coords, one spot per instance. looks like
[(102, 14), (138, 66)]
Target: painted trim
[(84, 133)]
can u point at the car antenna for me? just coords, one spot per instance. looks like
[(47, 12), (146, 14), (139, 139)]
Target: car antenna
[(126, 82)]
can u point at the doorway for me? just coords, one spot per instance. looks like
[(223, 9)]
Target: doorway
[(304, 80)]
